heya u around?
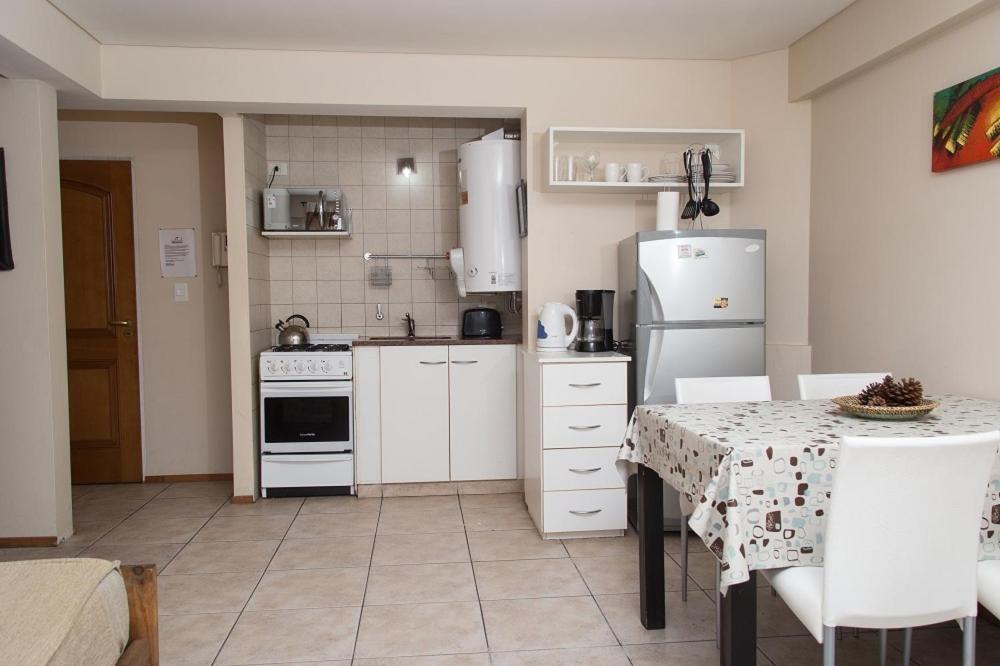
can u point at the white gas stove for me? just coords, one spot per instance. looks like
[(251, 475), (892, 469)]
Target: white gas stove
[(307, 418)]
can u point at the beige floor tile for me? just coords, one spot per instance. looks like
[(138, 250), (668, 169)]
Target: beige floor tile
[(600, 656), (620, 574), (83, 490), (324, 525), (426, 503), (703, 653), (201, 507), (204, 593), (420, 629), (505, 500), (199, 489), (418, 489), (420, 522), (341, 505), (345, 551), (690, 621), (137, 530), (244, 528), (44, 553), (126, 491), (526, 579), (309, 588), (87, 532), (774, 618), (503, 518), (136, 553), (513, 545), (420, 548), (310, 634), (263, 507), (851, 651), (420, 583), (223, 557), (106, 509), (539, 624), (603, 546), (701, 567), (193, 639), (941, 645), (481, 659)]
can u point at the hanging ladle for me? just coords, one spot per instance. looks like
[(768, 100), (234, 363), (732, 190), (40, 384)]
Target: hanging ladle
[(708, 207)]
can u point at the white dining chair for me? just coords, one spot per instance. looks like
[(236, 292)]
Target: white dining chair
[(989, 585), (901, 537), (693, 390), (817, 387)]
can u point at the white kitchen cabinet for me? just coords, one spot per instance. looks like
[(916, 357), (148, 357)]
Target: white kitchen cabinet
[(415, 424), (367, 416), (483, 412)]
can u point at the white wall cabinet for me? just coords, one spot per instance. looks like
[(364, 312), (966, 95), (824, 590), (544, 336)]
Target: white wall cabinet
[(483, 412), (430, 413), (415, 426)]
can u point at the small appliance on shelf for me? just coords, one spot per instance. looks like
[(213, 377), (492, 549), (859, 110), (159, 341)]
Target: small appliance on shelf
[(482, 323), (595, 308), (297, 212)]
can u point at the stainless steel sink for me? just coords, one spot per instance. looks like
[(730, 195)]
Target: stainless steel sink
[(403, 337)]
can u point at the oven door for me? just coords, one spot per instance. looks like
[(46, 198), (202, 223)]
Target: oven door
[(306, 417)]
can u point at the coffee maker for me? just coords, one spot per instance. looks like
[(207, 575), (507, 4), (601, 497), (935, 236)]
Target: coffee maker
[(595, 308)]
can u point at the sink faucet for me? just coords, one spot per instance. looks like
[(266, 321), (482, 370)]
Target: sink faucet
[(410, 326)]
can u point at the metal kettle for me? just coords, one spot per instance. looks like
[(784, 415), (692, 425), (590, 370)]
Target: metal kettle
[(293, 334)]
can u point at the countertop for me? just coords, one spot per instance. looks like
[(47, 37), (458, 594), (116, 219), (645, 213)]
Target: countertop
[(434, 342), (570, 356)]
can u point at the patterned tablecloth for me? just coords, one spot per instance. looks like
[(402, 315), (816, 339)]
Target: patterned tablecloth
[(759, 474)]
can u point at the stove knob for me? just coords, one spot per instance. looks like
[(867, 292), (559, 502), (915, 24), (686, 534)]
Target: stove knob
[(325, 367), (300, 367), (312, 367), (280, 367)]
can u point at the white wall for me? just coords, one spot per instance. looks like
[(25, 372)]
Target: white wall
[(776, 198), (177, 181), (904, 261), (34, 403)]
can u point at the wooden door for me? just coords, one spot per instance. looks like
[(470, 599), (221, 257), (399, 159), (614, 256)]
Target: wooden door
[(483, 412), (414, 414), (103, 353)]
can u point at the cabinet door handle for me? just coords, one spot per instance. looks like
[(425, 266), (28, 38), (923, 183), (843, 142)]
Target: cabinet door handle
[(585, 513), (464, 362), (585, 471), (592, 385), (590, 427), (433, 362), (119, 323)]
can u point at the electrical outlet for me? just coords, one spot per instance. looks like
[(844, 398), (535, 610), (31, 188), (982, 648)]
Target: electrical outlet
[(282, 168)]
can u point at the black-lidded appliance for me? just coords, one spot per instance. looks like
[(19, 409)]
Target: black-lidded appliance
[(481, 323), (595, 309)]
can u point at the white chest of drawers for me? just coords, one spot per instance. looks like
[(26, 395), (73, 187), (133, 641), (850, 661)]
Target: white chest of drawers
[(575, 416)]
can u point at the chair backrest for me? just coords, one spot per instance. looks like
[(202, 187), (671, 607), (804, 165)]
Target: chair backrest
[(817, 387), (691, 390), (902, 535)]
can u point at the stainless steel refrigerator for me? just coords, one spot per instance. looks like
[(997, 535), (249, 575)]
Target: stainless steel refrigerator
[(691, 304)]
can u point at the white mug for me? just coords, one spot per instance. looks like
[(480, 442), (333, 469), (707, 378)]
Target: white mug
[(635, 172), (613, 172)]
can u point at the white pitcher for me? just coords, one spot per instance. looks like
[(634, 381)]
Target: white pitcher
[(552, 334)]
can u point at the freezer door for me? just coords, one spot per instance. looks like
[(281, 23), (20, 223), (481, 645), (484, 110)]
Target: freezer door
[(664, 354), (694, 279)]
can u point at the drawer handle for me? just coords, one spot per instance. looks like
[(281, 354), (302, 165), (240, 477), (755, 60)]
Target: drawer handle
[(590, 427), (585, 513), (433, 362), (585, 471), (464, 362), (591, 385)]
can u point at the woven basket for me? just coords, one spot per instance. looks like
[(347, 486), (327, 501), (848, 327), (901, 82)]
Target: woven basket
[(851, 405)]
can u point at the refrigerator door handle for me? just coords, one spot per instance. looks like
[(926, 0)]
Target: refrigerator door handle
[(652, 358)]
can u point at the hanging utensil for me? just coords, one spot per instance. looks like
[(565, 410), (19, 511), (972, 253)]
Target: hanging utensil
[(708, 207), (690, 211)]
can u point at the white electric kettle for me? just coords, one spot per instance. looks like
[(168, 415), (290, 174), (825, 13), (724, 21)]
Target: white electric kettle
[(552, 327)]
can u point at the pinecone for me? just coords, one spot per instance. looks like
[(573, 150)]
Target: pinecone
[(905, 392), (871, 391), (876, 401)]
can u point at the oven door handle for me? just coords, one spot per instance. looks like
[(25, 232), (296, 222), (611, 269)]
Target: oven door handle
[(305, 389), (307, 458)]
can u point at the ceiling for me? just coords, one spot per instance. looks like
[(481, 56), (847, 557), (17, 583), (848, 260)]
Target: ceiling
[(687, 29)]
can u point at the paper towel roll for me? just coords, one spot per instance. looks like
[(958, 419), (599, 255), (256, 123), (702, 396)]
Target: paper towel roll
[(668, 210)]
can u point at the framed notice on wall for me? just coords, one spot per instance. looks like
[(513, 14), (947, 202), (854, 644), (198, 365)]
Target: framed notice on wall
[(177, 253)]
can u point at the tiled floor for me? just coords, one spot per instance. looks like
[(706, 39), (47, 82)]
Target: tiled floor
[(450, 580)]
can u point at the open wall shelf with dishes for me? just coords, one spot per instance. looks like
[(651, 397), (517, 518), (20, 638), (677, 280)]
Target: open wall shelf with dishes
[(578, 158)]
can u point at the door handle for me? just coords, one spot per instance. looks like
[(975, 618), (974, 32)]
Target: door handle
[(464, 362), (590, 427), (585, 471), (586, 385), (123, 322), (585, 513), (433, 362)]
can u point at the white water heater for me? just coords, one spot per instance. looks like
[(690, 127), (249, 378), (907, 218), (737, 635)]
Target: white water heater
[(489, 259)]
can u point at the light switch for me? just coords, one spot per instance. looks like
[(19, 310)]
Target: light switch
[(180, 292)]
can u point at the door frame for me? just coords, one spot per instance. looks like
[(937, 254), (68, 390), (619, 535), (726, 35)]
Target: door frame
[(136, 285)]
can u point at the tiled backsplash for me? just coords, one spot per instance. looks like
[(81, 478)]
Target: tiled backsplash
[(326, 280)]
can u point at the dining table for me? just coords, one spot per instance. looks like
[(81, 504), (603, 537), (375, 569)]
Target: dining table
[(756, 478)]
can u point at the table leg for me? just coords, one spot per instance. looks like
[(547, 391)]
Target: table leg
[(739, 624), (652, 600)]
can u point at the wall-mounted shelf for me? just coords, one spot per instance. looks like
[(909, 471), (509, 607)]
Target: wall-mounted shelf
[(645, 145)]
